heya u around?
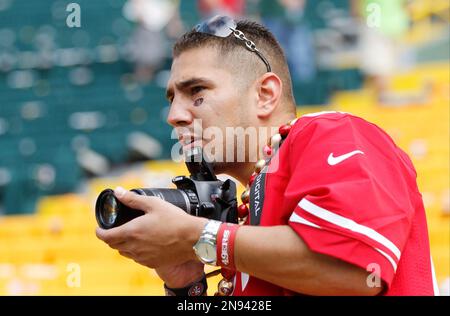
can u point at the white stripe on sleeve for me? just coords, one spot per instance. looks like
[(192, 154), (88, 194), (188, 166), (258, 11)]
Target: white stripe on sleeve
[(349, 224), (295, 218)]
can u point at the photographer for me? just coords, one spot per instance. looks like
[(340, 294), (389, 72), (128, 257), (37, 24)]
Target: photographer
[(334, 211)]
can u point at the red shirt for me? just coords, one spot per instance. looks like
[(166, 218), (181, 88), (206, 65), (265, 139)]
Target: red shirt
[(349, 192), (233, 7)]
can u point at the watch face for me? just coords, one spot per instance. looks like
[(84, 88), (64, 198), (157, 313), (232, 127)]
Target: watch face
[(206, 251)]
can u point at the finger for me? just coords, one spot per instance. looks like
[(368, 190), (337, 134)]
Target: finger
[(136, 201), (126, 254), (118, 245), (112, 236)]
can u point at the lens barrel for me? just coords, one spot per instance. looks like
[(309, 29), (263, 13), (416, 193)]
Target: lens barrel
[(110, 212)]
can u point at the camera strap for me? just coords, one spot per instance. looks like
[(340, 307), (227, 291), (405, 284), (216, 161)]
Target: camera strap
[(257, 191)]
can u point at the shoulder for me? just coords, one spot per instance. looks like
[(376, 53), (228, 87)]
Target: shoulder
[(325, 119), (318, 134), (334, 125)]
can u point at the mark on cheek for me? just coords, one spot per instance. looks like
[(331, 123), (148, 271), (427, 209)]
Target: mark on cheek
[(198, 102)]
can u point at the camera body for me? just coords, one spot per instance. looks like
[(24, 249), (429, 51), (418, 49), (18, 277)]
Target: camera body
[(210, 199), (200, 194)]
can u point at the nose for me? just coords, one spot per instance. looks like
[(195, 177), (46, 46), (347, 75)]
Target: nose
[(179, 115)]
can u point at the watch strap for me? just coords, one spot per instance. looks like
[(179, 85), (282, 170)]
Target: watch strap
[(211, 229), (197, 288)]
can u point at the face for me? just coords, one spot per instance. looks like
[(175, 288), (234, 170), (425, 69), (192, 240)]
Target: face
[(201, 89)]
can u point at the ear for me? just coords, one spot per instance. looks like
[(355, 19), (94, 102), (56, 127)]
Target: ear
[(269, 89)]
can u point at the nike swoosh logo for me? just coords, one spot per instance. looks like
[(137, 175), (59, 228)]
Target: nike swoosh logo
[(336, 160)]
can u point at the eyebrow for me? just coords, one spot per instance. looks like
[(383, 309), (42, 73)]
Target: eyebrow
[(182, 85)]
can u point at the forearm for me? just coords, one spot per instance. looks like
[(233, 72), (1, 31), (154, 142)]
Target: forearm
[(278, 255)]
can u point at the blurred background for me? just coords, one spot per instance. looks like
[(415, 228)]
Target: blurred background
[(83, 108)]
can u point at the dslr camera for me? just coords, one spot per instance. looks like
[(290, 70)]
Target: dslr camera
[(200, 194)]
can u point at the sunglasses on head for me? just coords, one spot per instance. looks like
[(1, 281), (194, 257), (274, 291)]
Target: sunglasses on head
[(224, 26)]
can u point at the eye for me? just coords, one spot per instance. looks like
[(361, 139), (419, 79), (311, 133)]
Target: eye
[(170, 97), (196, 89)]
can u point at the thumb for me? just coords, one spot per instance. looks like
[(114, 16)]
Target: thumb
[(134, 200)]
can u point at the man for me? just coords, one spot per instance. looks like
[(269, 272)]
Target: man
[(340, 215)]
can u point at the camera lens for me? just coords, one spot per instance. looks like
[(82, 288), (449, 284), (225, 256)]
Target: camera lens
[(110, 209), (110, 212)]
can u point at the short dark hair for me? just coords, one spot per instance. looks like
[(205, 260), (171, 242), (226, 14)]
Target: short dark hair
[(264, 40)]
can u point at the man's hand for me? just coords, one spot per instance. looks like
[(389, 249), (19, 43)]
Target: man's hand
[(163, 237)]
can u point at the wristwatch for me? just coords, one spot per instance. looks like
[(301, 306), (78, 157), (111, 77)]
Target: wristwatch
[(206, 246)]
